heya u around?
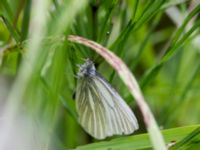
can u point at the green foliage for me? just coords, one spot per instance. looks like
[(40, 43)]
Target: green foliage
[(191, 141), (142, 141), (38, 65)]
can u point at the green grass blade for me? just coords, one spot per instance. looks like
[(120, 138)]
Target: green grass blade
[(151, 9), (194, 12), (169, 54), (144, 42), (8, 11), (106, 22), (191, 141), (26, 19), (11, 29), (141, 141)]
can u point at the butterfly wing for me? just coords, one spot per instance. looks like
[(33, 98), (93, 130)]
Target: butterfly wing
[(123, 121), (90, 109), (102, 112)]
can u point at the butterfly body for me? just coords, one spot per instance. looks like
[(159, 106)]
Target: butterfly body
[(101, 110)]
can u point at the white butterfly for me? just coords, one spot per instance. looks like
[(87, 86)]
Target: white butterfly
[(101, 110)]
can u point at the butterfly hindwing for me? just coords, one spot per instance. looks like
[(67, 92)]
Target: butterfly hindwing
[(122, 115)]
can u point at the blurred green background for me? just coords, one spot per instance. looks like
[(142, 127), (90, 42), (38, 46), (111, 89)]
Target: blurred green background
[(158, 40)]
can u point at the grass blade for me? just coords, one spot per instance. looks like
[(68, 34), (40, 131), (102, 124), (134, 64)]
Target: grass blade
[(192, 141), (141, 141)]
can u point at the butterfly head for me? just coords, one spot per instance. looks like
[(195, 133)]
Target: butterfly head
[(87, 69)]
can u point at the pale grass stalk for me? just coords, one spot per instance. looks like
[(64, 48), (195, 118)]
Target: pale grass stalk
[(17, 129)]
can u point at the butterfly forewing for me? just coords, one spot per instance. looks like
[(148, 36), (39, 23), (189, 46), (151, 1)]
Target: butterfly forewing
[(122, 114), (92, 119)]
